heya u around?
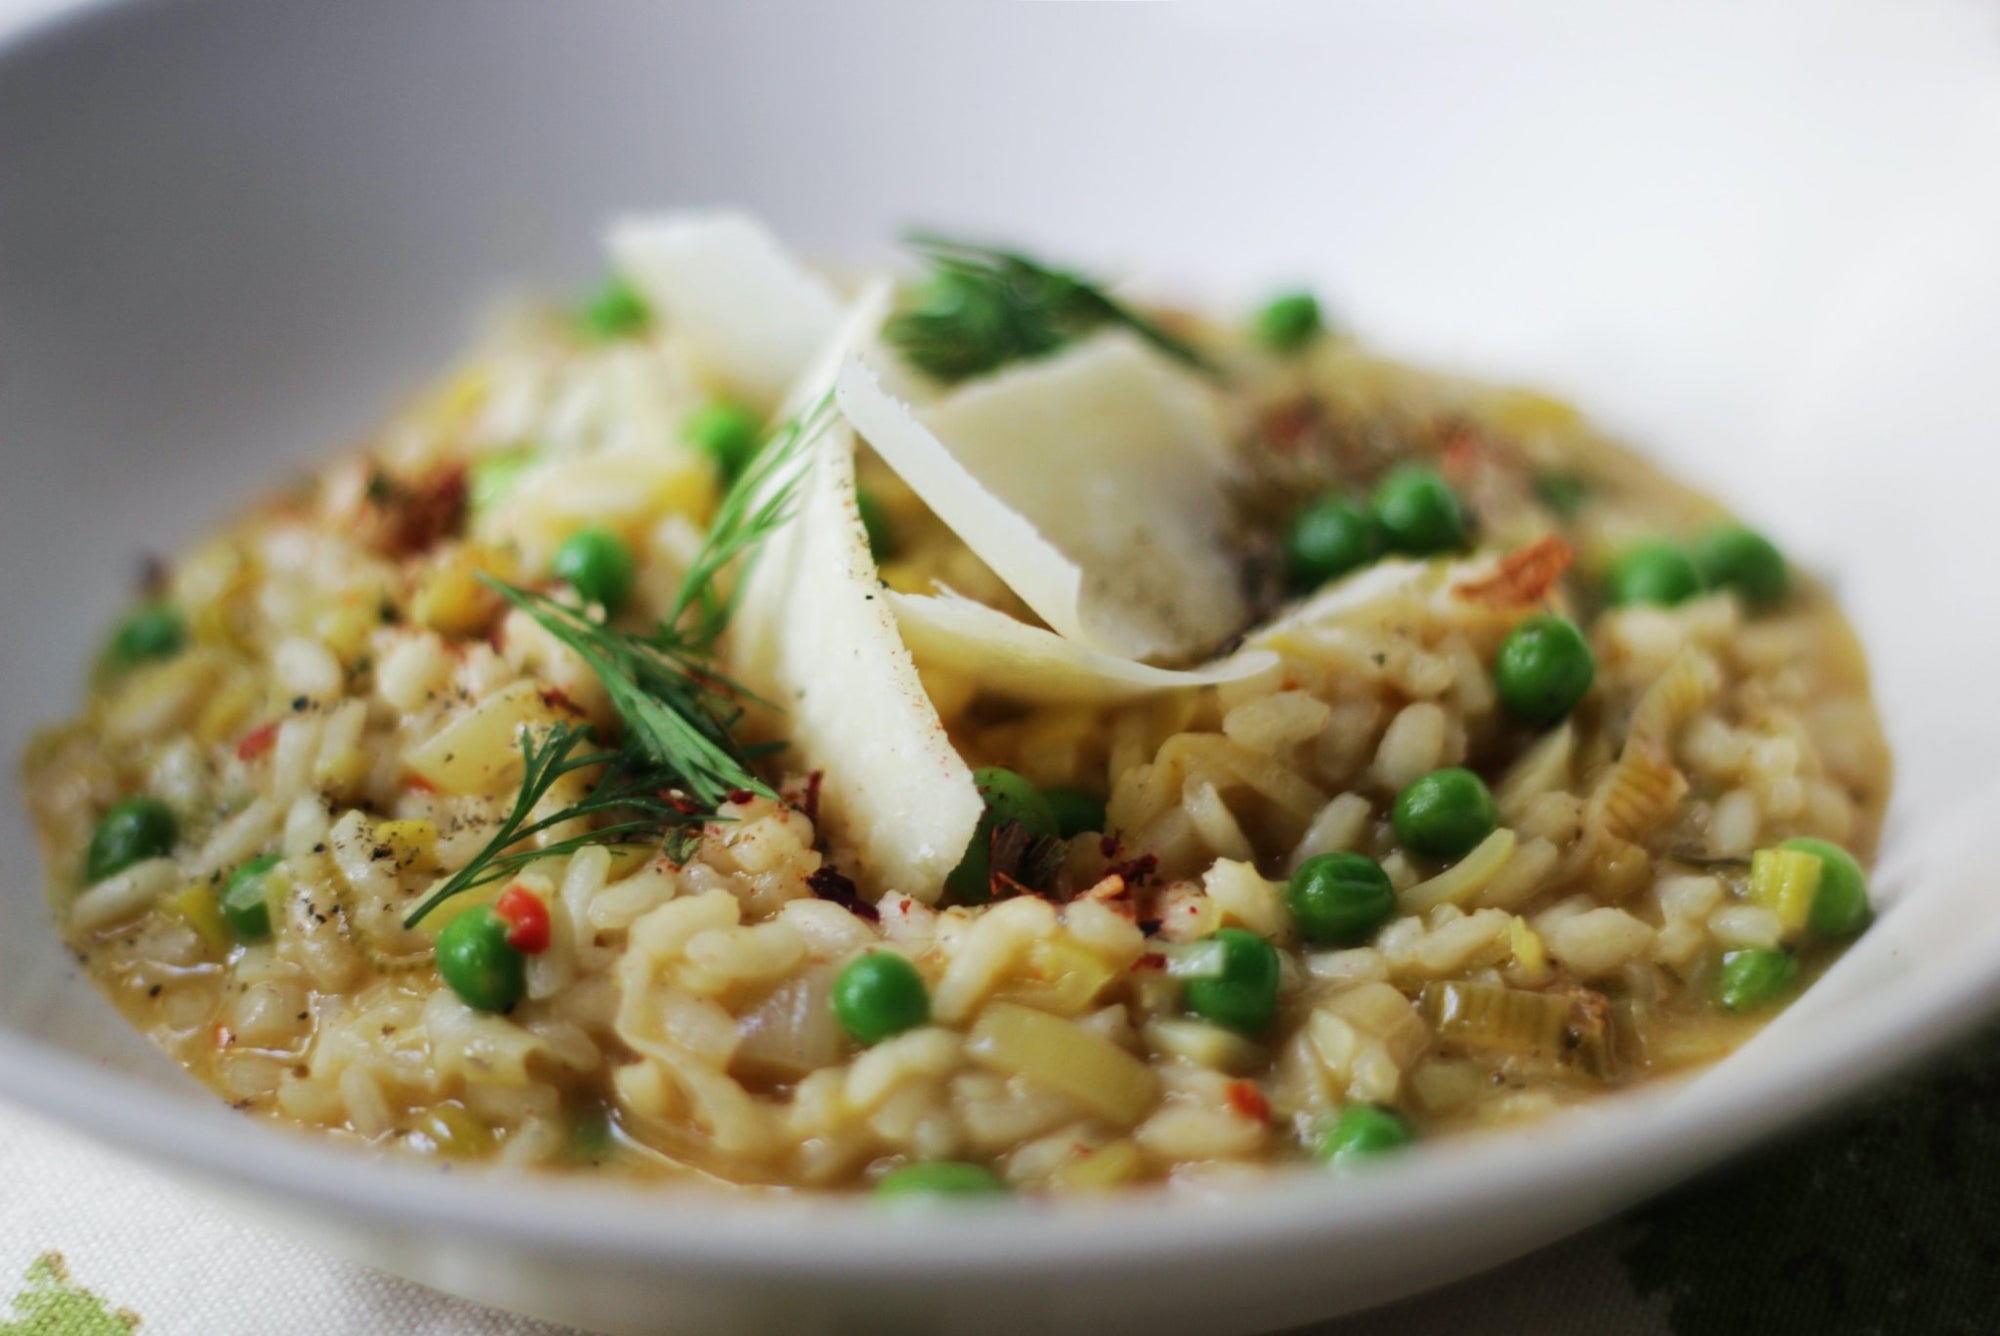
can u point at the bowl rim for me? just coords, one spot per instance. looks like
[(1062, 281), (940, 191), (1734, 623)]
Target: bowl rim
[(1627, 1144)]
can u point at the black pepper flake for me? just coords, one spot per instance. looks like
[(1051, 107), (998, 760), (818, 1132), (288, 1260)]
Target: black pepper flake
[(1150, 926), (299, 704), (154, 991), (829, 884)]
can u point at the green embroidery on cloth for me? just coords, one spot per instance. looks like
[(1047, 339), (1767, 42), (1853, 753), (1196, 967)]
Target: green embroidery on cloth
[(49, 1305), (1887, 1221)]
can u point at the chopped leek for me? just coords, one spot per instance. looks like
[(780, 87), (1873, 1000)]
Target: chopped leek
[(1785, 881)]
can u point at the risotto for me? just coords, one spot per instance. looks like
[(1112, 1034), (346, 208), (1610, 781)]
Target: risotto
[(958, 733)]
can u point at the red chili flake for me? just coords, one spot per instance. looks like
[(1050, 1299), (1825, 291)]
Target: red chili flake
[(741, 796), (680, 802), (1247, 1101), (1289, 425), (554, 697), (416, 515), (1460, 456), (526, 917), (257, 741), (1003, 887), (1523, 576), (418, 784), (1107, 846), (1135, 870), (829, 884), (811, 804)]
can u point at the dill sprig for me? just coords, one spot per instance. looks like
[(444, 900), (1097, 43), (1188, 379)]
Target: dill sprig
[(677, 710), (756, 504), (634, 795), (679, 759), (983, 307)]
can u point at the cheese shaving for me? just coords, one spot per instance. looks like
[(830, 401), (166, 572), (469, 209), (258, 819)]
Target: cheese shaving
[(814, 635), (749, 313), (1093, 483), (1011, 658)]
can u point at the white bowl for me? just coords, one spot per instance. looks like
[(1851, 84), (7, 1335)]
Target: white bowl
[(230, 232)]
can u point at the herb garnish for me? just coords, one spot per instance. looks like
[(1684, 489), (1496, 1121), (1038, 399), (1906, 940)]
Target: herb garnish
[(632, 794), (679, 760), (983, 307)]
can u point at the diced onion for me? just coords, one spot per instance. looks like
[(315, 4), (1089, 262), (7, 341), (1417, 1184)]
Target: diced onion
[(1066, 1058)]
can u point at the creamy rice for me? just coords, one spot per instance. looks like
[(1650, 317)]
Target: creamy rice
[(678, 1023)]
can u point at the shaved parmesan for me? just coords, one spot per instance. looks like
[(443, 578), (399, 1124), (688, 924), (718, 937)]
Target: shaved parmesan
[(748, 312), (856, 330), (1011, 658), (1092, 482), (1373, 589), (814, 635), (1391, 592)]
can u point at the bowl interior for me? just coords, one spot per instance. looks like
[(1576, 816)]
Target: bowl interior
[(231, 233)]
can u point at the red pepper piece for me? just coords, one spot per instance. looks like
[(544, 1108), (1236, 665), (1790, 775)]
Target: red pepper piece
[(257, 741), (1247, 1101), (527, 920)]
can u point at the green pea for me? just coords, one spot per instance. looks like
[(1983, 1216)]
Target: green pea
[(1840, 906), (1362, 1132), (1327, 539), (493, 478), (941, 1178), (616, 311), (1008, 798), (1730, 556), (1444, 814), (1075, 812), (150, 631), (1288, 323), (1238, 989), (1755, 978), (880, 995), (1543, 669), (1418, 512), (728, 434), (246, 899), (1340, 899), (596, 563), (475, 958), (875, 520), (131, 832), (1656, 573)]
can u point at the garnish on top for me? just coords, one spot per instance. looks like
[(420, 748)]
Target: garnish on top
[(982, 307), (678, 760)]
